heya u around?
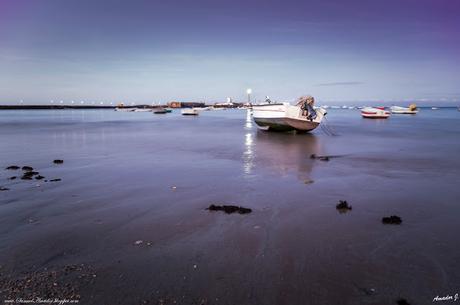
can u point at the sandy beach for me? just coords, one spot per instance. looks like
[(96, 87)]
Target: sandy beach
[(127, 223)]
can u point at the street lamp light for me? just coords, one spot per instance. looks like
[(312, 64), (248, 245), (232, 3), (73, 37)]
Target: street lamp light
[(248, 92)]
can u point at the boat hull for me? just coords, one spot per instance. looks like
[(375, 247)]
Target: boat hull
[(284, 124)]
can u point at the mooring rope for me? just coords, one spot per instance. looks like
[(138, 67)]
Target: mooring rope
[(328, 130)]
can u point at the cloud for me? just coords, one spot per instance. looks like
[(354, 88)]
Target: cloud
[(340, 84)]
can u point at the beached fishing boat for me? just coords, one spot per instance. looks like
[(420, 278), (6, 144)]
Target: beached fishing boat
[(375, 113), (286, 117), (189, 111), (412, 109)]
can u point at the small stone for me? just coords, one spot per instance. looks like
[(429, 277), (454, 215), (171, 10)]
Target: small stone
[(27, 168), (58, 161), (55, 180), (138, 242), (174, 188), (13, 167), (12, 178), (39, 177), (308, 181), (4, 188)]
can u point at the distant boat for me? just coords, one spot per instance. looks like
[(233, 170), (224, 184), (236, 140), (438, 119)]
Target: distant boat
[(125, 109), (412, 109), (160, 110), (168, 110), (189, 111), (142, 109), (375, 113), (286, 117), (434, 108)]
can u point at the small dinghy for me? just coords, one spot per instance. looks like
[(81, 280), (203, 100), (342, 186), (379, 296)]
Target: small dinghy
[(375, 113), (160, 110), (125, 109), (412, 109), (189, 111)]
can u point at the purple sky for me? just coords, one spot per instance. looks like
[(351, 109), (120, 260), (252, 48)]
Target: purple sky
[(153, 51)]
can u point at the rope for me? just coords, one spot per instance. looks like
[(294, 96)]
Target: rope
[(329, 131)]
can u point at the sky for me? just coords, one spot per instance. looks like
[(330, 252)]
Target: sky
[(156, 51)]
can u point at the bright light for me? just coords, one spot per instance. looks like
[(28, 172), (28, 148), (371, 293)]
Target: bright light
[(248, 91)]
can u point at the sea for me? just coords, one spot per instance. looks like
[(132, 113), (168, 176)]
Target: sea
[(134, 190)]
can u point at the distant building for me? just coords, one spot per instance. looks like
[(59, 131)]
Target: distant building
[(175, 104), (192, 104)]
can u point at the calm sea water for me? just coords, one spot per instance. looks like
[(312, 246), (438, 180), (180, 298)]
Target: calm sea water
[(140, 176)]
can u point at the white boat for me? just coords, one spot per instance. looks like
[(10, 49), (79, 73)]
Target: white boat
[(125, 109), (375, 113), (142, 110), (434, 108), (286, 117), (160, 110), (189, 111), (412, 109)]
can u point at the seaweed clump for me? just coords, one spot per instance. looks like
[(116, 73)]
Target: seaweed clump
[(343, 206), (229, 209), (392, 220)]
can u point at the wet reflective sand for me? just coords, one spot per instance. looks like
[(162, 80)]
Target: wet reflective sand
[(137, 176)]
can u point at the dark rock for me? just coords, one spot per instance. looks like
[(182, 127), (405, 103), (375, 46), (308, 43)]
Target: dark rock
[(393, 220), (343, 206), (12, 178), (229, 209), (402, 302), (27, 168), (39, 177), (4, 188), (57, 161), (26, 177), (55, 180), (13, 167), (312, 156)]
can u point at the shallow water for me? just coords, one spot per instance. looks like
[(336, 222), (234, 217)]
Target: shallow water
[(139, 176)]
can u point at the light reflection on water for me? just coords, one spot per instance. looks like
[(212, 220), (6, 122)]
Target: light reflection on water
[(282, 153), (248, 155)]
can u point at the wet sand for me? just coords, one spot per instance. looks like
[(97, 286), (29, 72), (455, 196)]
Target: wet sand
[(130, 177)]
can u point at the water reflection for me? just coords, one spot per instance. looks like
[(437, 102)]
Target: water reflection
[(282, 153), (248, 155)]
